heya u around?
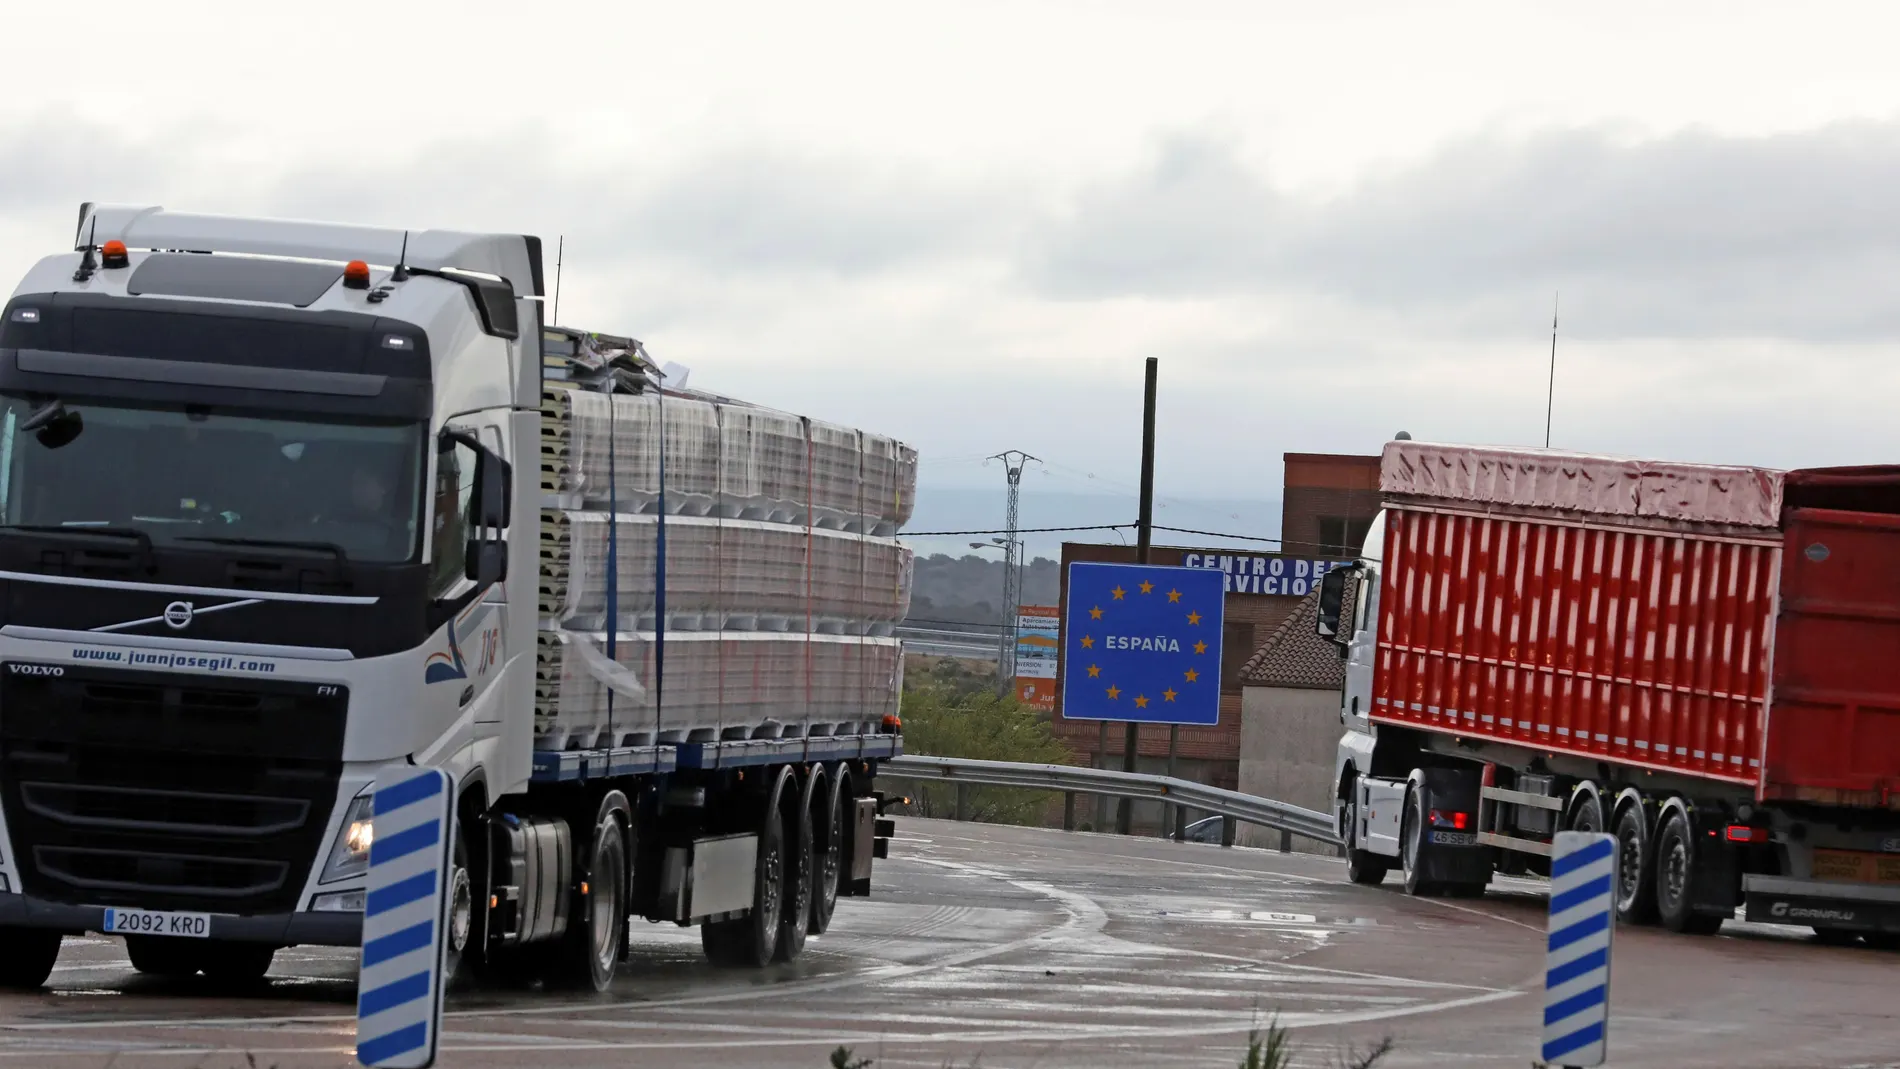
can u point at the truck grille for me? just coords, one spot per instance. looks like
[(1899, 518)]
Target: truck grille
[(167, 792)]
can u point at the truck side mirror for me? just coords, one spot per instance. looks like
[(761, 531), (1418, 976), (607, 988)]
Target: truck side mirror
[(486, 560), (1332, 597), (494, 485)]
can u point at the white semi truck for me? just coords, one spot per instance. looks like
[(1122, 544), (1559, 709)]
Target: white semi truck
[(284, 505)]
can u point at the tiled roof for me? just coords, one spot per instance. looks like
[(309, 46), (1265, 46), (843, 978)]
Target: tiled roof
[(1296, 656)]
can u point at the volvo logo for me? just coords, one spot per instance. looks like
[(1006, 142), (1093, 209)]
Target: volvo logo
[(178, 615), (36, 670)]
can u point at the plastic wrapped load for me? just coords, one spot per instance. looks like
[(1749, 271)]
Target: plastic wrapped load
[(718, 685), (723, 574), (724, 458)]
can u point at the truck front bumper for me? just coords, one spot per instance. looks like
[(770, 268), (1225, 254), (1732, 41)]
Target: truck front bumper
[(1854, 907), (283, 929)]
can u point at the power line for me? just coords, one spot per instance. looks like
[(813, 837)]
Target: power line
[(1019, 530)]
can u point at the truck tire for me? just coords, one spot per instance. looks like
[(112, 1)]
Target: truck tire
[(1675, 877), (795, 914), (1412, 848), (458, 967), (751, 941), (1835, 937), (1586, 812), (828, 861), (589, 952), (26, 957), (158, 955), (1363, 867), (236, 964), (1882, 940), (1636, 868)]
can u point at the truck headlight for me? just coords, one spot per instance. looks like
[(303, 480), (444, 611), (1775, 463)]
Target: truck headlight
[(351, 855)]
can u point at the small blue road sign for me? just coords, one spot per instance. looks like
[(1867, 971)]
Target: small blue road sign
[(1577, 967), (1141, 642), (399, 992)]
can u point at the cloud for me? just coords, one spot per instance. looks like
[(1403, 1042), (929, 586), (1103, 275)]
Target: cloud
[(1694, 234)]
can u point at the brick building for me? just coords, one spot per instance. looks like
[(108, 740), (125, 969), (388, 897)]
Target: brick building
[(1329, 502)]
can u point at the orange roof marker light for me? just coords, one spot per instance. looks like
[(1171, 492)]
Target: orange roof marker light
[(113, 254), (356, 275)]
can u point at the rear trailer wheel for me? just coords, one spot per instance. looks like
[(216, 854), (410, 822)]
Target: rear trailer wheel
[(26, 957), (237, 963), (1362, 866), (1635, 868), (590, 950), (795, 914), (159, 955), (751, 941), (828, 866), (1412, 848), (1587, 813), (1675, 879)]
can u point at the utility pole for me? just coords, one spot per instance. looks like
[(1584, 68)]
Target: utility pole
[(1013, 461), (1144, 534)]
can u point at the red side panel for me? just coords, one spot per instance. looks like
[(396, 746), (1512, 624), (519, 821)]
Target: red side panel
[(1834, 727), (1646, 647)]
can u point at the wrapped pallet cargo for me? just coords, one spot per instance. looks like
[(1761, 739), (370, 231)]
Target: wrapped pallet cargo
[(774, 602)]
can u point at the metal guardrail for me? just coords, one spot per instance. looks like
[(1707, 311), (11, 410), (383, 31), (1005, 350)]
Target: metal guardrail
[(1072, 780)]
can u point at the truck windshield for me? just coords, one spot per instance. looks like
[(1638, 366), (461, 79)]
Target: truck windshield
[(197, 476)]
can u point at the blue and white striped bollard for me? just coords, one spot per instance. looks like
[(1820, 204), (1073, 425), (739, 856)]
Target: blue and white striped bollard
[(1577, 962), (399, 993)]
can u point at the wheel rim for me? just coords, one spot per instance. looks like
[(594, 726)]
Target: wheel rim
[(461, 911), (772, 872), (1675, 873), (1629, 867), (833, 858), (602, 906)]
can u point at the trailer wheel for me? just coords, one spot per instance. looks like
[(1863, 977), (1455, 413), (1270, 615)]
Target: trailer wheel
[(1586, 813), (1412, 848), (751, 941), (597, 926), (828, 866), (27, 956), (795, 913), (1362, 866), (1675, 876), (1635, 868)]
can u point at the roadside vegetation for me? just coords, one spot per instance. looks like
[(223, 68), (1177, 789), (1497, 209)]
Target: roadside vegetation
[(1271, 1048), (951, 711)]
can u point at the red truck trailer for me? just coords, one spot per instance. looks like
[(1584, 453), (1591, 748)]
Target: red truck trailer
[(1703, 660)]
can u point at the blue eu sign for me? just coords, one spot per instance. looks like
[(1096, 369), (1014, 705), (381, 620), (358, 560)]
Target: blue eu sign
[(1142, 642)]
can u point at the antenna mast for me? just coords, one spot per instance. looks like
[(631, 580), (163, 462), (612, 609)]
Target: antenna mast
[(1550, 400), (1013, 461)]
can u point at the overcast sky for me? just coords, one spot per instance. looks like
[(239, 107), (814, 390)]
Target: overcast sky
[(966, 225)]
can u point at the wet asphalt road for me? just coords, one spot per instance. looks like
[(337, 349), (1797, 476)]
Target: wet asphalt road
[(1014, 948)]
